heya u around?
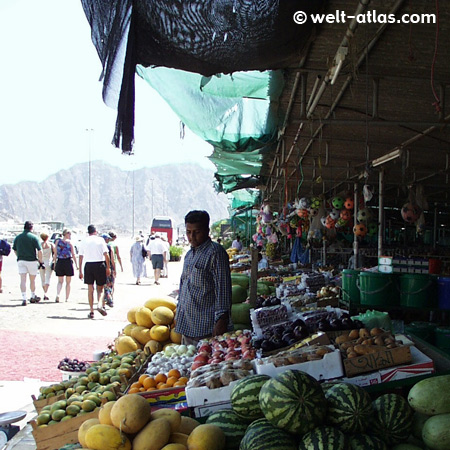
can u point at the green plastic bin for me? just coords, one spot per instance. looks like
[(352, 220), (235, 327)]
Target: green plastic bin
[(378, 289), (350, 291), (418, 290)]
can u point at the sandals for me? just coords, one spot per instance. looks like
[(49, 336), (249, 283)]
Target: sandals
[(57, 300), (91, 315), (102, 311)]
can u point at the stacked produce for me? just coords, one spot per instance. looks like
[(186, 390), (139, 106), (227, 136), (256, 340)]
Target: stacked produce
[(72, 365), (129, 423)]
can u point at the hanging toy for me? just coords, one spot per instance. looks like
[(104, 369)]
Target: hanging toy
[(364, 215), (334, 214), (304, 203), (345, 215), (340, 223), (360, 230), (337, 202), (330, 223), (315, 203), (268, 230), (313, 212), (323, 221), (349, 203), (302, 213), (372, 229), (266, 213), (411, 212)]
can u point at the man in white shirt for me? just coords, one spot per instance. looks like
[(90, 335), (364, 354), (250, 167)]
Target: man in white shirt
[(156, 251), (165, 271), (94, 253)]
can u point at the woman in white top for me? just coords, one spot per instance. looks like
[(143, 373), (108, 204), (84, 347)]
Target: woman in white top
[(47, 257)]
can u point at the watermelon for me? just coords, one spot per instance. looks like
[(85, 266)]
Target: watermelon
[(240, 313), (366, 442), (293, 401), (241, 279), (349, 407), (245, 397), (406, 447), (262, 435), (231, 424), (238, 294), (322, 438), (419, 420), (392, 420)]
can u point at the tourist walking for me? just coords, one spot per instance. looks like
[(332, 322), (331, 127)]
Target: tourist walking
[(109, 285), (165, 271), (156, 251), (64, 258), (137, 258), (28, 250), (47, 257), (94, 254)]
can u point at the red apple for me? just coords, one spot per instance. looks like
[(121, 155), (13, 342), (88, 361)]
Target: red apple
[(201, 358)]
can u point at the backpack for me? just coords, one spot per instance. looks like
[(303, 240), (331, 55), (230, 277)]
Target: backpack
[(144, 252), (5, 247)]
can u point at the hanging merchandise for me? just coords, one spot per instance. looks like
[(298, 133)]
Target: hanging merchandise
[(411, 212), (367, 193), (360, 230), (304, 203), (316, 202), (334, 214), (330, 223), (323, 220), (302, 213), (364, 215), (338, 202), (349, 203), (345, 215), (340, 223), (372, 229)]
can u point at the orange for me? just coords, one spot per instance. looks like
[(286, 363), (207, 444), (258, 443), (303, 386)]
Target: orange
[(151, 388), (136, 384), (184, 380), (133, 390), (179, 383), (142, 389), (171, 381), (163, 386), (160, 378), (174, 373), (149, 382), (142, 378)]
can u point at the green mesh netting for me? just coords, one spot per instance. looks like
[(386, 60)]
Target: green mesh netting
[(244, 198)]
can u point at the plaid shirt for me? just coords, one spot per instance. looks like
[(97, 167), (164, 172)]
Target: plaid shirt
[(205, 290)]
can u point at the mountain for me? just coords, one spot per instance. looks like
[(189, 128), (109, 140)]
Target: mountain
[(169, 190)]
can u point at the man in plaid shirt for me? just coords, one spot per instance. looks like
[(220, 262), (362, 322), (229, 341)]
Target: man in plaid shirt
[(204, 301)]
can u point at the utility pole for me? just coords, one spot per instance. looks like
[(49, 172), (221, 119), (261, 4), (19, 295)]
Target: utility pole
[(90, 131)]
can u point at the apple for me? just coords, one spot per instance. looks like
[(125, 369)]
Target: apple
[(205, 348), (197, 364), (202, 357)]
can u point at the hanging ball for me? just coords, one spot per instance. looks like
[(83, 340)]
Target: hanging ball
[(360, 230), (304, 203), (323, 221), (345, 215), (364, 215), (334, 214), (302, 213), (337, 202), (349, 203), (411, 212), (372, 229), (314, 211), (315, 203), (330, 222), (341, 223)]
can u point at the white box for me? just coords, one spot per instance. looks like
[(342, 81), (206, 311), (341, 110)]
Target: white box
[(202, 396), (367, 379), (207, 410), (385, 261), (330, 366)]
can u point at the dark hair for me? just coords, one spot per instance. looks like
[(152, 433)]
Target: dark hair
[(91, 229), (201, 217), (28, 225)]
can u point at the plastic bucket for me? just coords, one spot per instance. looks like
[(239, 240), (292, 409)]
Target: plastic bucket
[(350, 291), (444, 292), (418, 290), (442, 338), (423, 330), (378, 289)]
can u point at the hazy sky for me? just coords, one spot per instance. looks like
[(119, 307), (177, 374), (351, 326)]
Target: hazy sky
[(50, 95)]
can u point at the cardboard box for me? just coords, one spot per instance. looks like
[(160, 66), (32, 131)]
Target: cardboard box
[(39, 404), (207, 410), (174, 398), (363, 380), (62, 433), (377, 361), (330, 366), (203, 396)]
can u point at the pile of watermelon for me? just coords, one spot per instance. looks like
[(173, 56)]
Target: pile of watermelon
[(293, 411)]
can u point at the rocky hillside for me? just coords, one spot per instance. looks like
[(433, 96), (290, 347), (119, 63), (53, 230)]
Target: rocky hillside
[(170, 190)]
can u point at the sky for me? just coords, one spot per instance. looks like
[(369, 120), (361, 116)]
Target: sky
[(52, 115)]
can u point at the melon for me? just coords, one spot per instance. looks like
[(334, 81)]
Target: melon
[(166, 301), (231, 424), (130, 413), (127, 330), (160, 333), (245, 397), (324, 437), (106, 437), (125, 344), (144, 317), (83, 429), (240, 313), (141, 334), (366, 442), (162, 315), (175, 337), (171, 415), (431, 396), (178, 438), (293, 401), (206, 437), (436, 432), (262, 435), (153, 436), (187, 424), (153, 346), (240, 279), (131, 314), (104, 414), (238, 294)]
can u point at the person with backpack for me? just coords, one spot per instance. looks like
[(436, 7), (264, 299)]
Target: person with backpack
[(5, 250)]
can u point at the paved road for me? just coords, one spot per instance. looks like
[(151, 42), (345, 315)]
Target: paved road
[(40, 334)]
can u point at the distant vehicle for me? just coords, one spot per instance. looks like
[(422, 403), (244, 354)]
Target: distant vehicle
[(164, 226)]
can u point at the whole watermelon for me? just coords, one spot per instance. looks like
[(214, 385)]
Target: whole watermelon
[(231, 424), (392, 420), (324, 438), (366, 442), (293, 401), (349, 407), (262, 435), (245, 397)]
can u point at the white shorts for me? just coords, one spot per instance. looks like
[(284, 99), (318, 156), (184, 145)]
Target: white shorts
[(46, 274), (30, 267)]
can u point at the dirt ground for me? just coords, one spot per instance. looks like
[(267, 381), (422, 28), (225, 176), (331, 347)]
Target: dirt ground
[(37, 336)]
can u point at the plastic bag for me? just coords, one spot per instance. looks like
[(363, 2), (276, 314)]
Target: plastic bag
[(375, 319)]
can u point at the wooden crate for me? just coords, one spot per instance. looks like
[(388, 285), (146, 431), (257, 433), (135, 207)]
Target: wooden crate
[(59, 434), (39, 404)]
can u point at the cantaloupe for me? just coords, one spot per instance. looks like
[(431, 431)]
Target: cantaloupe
[(131, 314), (160, 333), (175, 337), (104, 413), (171, 415), (127, 330), (106, 437), (206, 437), (130, 413), (153, 436), (187, 424), (166, 301), (153, 346), (125, 344), (144, 317), (141, 334), (83, 429), (162, 315)]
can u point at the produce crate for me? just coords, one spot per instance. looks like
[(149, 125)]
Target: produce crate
[(59, 434), (39, 404), (66, 375), (174, 398)]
